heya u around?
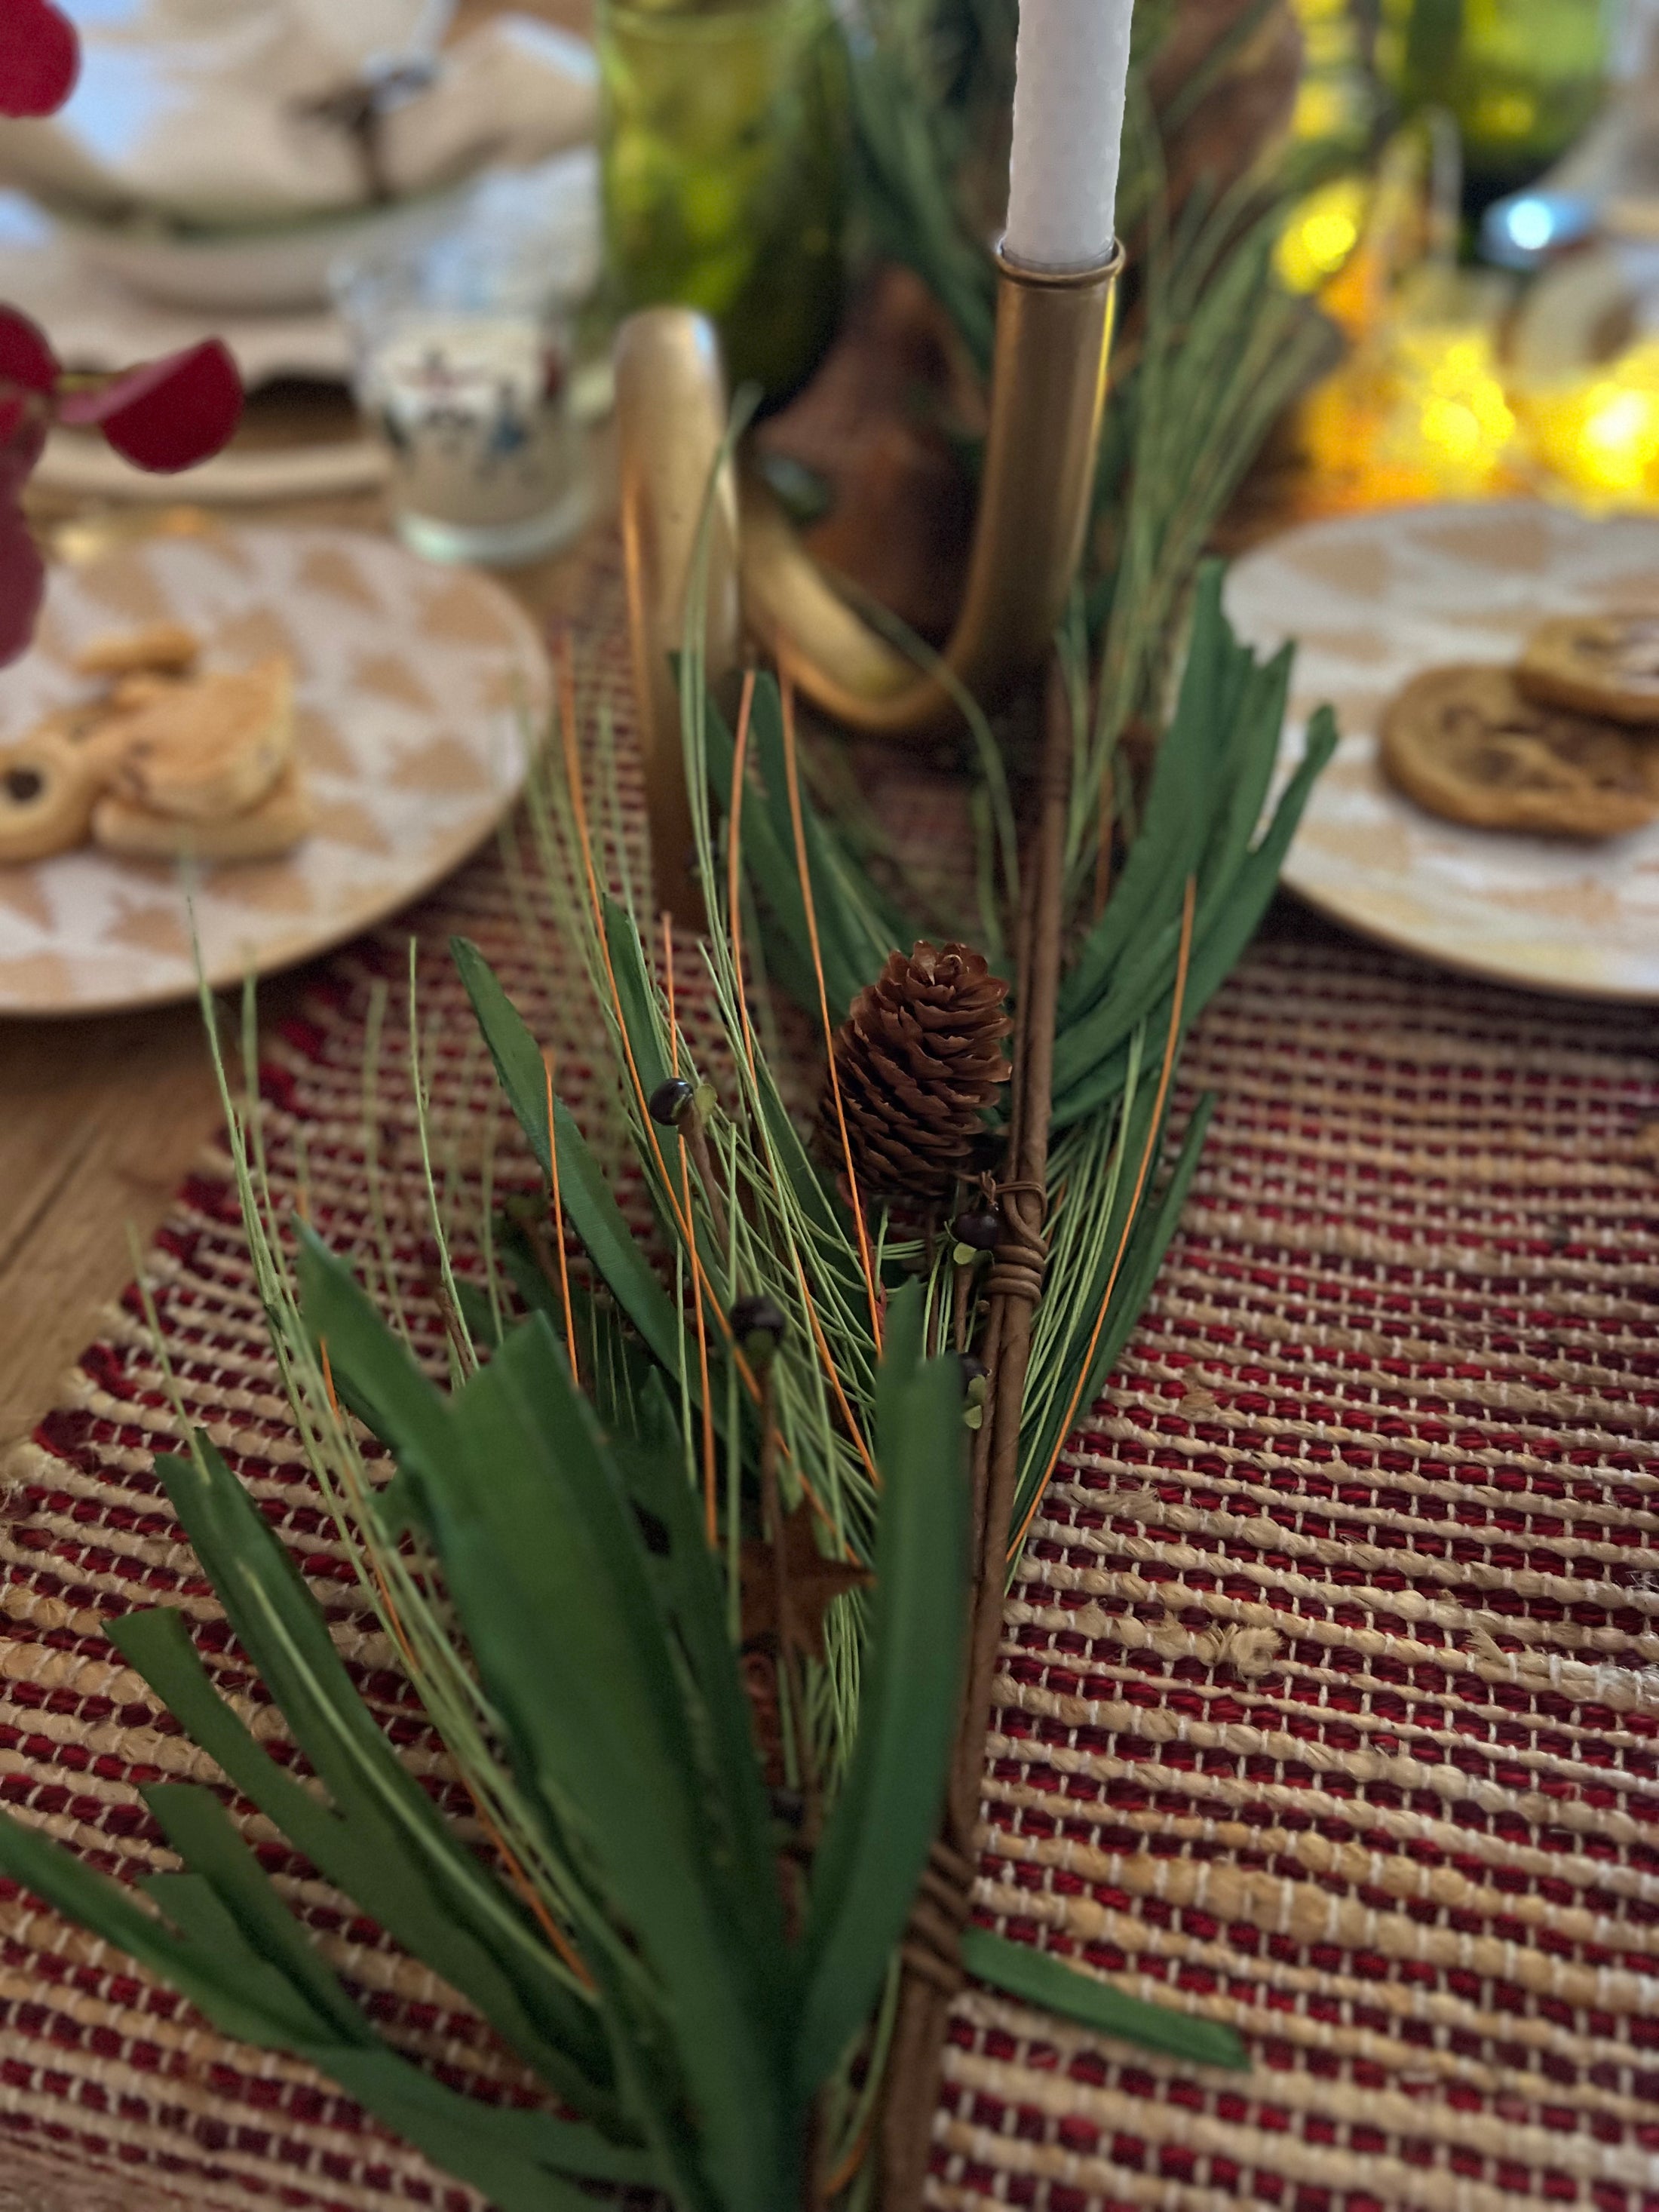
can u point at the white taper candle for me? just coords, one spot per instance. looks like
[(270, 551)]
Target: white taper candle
[(1071, 62)]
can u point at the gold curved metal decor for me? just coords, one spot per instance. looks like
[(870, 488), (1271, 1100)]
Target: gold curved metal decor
[(1048, 387)]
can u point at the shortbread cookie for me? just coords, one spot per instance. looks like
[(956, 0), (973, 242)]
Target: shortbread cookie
[(211, 747), (263, 832), (47, 792), (167, 647), (1604, 665), (85, 726), (1468, 745), (142, 689)]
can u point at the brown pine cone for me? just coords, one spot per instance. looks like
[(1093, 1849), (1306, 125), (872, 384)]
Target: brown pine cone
[(919, 1060)]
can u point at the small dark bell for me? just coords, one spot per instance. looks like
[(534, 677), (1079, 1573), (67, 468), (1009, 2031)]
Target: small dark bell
[(759, 1325), (980, 1230), (973, 1370), (670, 1100)]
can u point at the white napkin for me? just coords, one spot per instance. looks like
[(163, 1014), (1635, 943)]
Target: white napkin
[(206, 112), (514, 90)]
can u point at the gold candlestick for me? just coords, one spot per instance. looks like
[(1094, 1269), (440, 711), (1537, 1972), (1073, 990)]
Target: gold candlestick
[(1048, 388)]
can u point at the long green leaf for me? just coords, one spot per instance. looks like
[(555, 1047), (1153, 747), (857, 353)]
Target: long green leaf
[(594, 1213), (500, 2153), (642, 1019), (365, 1855), (200, 1830), (652, 1463), (1172, 830), (426, 1873), (518, 2161), (499, 2149), (546, 1569), (1037, 1978), (864, 1878), (259, 2009), (1150, 1241), (1215, 958)]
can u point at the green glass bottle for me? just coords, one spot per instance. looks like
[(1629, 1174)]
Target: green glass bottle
[(724, 153), (1520, 77)]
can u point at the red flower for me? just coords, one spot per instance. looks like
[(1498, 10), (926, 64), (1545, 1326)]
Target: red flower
[(28, 376), (25, 353), (40, 58), (165, 414)]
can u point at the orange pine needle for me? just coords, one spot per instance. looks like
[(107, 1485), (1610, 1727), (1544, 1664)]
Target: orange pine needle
[(734, 863), (1165, 1074), (558, 1224), (328, 1376), (549, 1926), (792, 777), (849, 2164), (852, 1428), (682, 1222)]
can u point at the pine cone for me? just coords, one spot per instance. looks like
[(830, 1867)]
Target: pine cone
[(919, 1058)]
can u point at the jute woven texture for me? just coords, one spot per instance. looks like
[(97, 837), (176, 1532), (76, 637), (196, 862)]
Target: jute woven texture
[(1330, 1698)]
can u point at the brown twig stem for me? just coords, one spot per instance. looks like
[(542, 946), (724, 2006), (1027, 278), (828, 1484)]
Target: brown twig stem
[(931, 1968)]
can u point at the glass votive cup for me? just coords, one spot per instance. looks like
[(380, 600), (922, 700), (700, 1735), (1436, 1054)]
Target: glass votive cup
[(463, 367)]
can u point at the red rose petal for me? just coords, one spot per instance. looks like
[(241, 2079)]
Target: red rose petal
[(165, 414), (22, 585), (40, 58), (25, 357)]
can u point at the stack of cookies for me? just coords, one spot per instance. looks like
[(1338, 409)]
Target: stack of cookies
[(161, 761), (1564, 742)]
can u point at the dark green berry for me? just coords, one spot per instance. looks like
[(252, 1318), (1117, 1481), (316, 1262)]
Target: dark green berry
[(759, 1325), (980, 1229), (670, 1100)]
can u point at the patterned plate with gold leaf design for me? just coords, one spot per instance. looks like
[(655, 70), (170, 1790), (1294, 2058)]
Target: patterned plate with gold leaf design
[(420, 693), (1371, 599)]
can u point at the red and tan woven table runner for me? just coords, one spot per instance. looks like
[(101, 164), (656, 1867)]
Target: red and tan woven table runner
[(1329, 1703)]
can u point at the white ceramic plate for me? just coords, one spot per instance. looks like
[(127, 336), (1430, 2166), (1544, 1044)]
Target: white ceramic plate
[(272, 271), (1371, 598), (421, 691)]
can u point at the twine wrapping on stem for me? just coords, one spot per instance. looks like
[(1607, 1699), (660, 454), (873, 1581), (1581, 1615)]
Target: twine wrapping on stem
[(931, 1969)]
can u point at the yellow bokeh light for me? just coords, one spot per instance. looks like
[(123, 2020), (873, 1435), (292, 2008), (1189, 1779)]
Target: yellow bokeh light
[(1321, 232), (1420, 413), (1600, 437)]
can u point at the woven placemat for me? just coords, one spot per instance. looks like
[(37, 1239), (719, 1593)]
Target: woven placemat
[(1329, 1702)]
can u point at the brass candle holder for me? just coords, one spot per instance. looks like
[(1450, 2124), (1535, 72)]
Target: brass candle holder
[(1048, 387)]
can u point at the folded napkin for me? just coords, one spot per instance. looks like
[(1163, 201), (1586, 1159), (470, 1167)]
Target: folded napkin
[(220, 112)]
